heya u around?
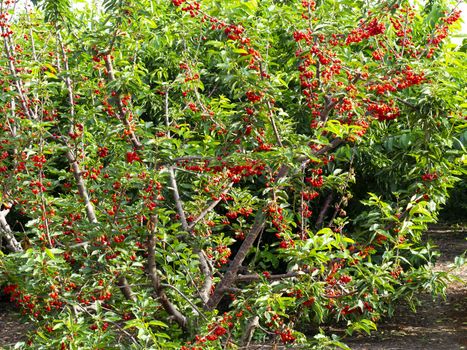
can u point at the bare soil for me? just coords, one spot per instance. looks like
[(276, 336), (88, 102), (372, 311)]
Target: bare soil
[(437, 324), (12, 330)]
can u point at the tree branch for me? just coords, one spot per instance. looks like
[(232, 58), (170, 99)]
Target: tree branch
[(407, 103), (81, 187), (178, 201), (75, 169), (324, 210), (9, 51), (231, 273), (329, 106), (249, 331), (156, 283), (11, 243), (271, 116), (187, 299), (209, 207), (121, 112), (256, 277), (207, 272), (122, 283), (203, 259)]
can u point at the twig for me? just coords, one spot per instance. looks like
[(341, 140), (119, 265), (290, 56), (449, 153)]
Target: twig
[(114, 323), (209, 207), (122, 282), (82, 190), (166, 112), (81, 187), (329, 106), (230, 275), (186, 298), (9, 51), (407, 103), (271, 116), (350, 173), (428, 44), (207, 272), (203, 259), (188, 158), (256, 277), (340, 295), (121, 112)]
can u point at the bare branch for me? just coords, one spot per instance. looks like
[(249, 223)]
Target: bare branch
[(178, 201), (324, 210), (231, 273), (209, 207), (11, 243), (75, 169), (249, 331), (256, 277), (122, 283)]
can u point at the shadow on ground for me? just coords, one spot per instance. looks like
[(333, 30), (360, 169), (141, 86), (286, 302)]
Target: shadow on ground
[(438, 324)]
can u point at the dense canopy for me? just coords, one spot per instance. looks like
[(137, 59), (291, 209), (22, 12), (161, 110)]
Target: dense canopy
[(212, 174)]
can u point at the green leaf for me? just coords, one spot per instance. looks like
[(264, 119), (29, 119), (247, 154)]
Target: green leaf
[(49, 253), (157, 323)]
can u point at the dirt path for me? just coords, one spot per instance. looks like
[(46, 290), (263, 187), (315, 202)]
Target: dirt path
[(11, 330), (437, 325)]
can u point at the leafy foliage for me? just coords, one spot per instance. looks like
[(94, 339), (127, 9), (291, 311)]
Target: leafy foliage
[(203, 175)]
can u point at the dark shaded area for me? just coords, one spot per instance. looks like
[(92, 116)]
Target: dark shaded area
[(455, 209)]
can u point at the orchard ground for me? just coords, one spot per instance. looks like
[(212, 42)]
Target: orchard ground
[(437, 324)]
